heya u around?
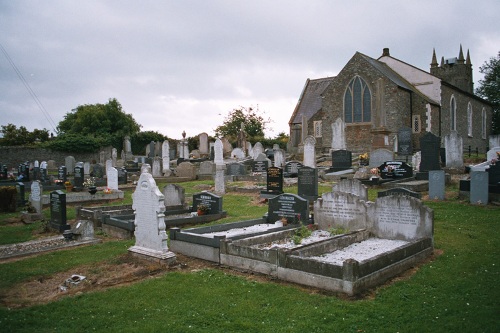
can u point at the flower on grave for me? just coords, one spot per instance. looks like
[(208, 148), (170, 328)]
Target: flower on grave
[(107, 190), (67, 183), (363, 156), (203, 208), (89, 182), (375, 171)]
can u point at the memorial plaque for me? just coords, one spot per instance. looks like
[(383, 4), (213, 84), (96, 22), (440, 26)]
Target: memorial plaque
[(429, 150), (275, 180), (308, 183), (341, 160), (289, 206), (404, 141), (292, 168), (58, 211), (61, 173), (259, 166), (209, 199), (395, 169)]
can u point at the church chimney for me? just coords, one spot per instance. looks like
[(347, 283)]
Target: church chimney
[(385, 52)]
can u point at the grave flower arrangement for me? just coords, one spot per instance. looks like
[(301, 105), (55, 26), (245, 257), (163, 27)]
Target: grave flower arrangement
[(363, 159), (67, 183), (89, 182), (107, 190), (202, 209)]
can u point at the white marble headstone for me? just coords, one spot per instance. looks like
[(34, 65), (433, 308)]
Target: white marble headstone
[(112, 178), (309, 151)]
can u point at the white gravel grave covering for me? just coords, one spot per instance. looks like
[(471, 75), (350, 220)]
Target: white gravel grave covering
[(287, 243), (362, 251), (246, 230)]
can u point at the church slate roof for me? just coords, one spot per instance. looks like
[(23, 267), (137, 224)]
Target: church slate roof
[(310, 101)]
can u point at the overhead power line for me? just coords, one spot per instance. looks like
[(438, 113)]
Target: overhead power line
[(30, 91)]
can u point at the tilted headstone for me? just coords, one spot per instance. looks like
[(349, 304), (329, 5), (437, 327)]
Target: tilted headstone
[(83, 230), (149, 207), (479, 187), (352, 186), (174, 196), (436, 184), (405, 146), (112, 178), (341, 160), (307, 183), (58, 218), (209, 199), (310, 151), (380, 156), (340, 210), (429, 152), (453, 144), (289, 206)]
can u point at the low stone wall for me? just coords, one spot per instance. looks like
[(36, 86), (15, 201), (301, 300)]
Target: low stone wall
[(13, 156)]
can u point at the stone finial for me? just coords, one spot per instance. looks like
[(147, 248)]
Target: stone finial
[(460, 59), (434, 62)]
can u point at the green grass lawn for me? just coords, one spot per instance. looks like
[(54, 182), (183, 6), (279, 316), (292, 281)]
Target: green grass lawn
[(456, 292)]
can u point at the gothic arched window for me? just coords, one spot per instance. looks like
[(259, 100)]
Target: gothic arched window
[(453, 114), (357, 102)]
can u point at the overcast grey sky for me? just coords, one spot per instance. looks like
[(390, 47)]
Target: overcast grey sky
[(183, 65)]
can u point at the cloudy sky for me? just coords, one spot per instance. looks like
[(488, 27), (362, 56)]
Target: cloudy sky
[(184, 65)]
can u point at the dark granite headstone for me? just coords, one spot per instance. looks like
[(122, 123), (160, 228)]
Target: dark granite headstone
[(21, 201), (308, 183), (275, 180), (395, 169), (122, 176), (79, 176), (3, 172), (58, 219), (404, 141), (399, 191), (494, 173), (259, 166), (151, 150), (289, 206), (235, 169), (36, 173), (429, 151), (97, 171), (209, 199), (341, 160), (62, 173), (292, 168)]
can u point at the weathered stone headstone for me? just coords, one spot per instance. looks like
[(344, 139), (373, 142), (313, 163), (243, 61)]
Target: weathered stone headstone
[(114, 156), (310, 151), (174, 196), (429, 150), (112, 178), (69, 162), (227, 148), (436, 184), (58, 219), (157, 167), (235, 169), (352, 186), (238, 153), (258, 149), (279, 158), (395, 169), (338, 135), (292, 168), (86, 168), (379, 156), (340, 210), (207, 169), (307, 183), (405, 146), (83, 230), (203, 147), (218, 152), (97, 171), (149, 207), (479, 187), (341, 160), (290, 206), (209, 199), (402, 218), (453, 144), (166, 158), (399, 191), (186, 170), (36, 196)]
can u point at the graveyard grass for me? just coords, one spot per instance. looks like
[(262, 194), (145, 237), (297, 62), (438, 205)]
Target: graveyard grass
[(456, 291)]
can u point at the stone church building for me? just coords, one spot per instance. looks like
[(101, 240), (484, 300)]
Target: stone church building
[(364, 106)]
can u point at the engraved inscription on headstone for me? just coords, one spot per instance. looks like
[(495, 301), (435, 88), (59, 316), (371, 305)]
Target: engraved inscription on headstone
[(289, 206), (308, 183)]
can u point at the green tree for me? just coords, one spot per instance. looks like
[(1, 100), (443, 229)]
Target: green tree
[(13, 136), (489, 88), (141, 139), (252, 120)]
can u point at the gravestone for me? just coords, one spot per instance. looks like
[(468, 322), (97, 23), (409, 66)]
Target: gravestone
[(307, 183), (279, 158), (415, 160), (399, 191), (235, 169), (227, 148), (69, 162), (220, 168), (112, 178), (122, 176), (51, 165), (436, 184), (238, 153), (97, 171), (209, 199), (479, 187), (36, 171), (207, 169), (258, 149), (310, 151), (405, 146), (203, 147), (292, 168), (165, 148), (259, 166), (61, 173), (145, 168), (109, 164), (340, 210), (492, 154), (83, 230), (341, 160), (454, 149), (494, 173), (86, 168), (290, 206), (36, 196), (429, 152), (58, 219), (114, 156), (150, 150), (379, 156), (218, 152), (186, 170), (157, 167), (174, 196), (149, 207), (338, 135), (395, 170), (352, 186), (79, 176), (274, 181)]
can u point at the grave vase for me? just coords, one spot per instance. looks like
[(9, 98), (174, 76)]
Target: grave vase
[(92, 190)]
